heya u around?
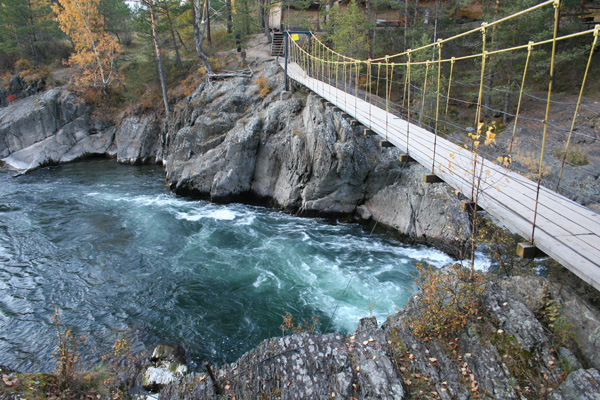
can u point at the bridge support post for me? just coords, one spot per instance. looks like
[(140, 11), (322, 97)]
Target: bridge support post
[(529, 250), (432, 178), (468, 206), (405, 158), (369, 132), (385, 144)]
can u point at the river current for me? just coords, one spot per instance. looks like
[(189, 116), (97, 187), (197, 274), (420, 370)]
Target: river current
[(119, 255)]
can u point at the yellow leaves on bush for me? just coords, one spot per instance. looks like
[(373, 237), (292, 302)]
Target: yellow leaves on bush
[(263, 85), (23, 64), (490, 135), (289, 325), (95, 49), (66, 352), (214, 63), (448, 300)]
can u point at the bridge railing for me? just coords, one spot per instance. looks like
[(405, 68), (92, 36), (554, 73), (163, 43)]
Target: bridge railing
[(456, 98)]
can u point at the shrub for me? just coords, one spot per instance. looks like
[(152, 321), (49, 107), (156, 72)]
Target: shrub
[(448, 299), (575, 155), (23, 64), (289, 325), (263, 85), (66, 354)]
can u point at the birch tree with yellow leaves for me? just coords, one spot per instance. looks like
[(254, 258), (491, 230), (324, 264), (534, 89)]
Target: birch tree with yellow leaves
[(95, 49)]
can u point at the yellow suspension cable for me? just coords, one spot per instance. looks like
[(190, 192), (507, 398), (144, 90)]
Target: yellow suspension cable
[(437, 105), (336, 77), (478, 111), (345, 91), (550, 85), (512, 138), (408, 100), (370, 90), (389, 95), (587, 68), (357, 76), (387, 98), (423, 94), (378, 75), (448, 95)]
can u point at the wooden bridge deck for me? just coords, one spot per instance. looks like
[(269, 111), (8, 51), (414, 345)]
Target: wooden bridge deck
[(565, 230)]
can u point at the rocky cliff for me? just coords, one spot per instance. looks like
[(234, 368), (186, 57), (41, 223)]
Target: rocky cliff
[(55, 127), (232, 140), (508, 351), (228, 143)]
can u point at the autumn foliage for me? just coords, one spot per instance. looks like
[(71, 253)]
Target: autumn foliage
[(448, 300), (95, 49)]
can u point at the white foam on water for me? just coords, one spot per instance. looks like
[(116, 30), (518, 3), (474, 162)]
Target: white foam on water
[(266, 276), (222, 214), (481, 262), (190, 216), (208, 213)]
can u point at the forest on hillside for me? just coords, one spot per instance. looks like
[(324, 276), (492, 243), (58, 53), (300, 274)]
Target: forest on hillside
[(120, 51)]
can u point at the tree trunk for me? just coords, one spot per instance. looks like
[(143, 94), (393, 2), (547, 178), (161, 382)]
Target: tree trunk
[(261, 13), (267, 23), (32, 37), (199, 36), (416, 12), (208, 37), (181, 40), (405, 25), (229, 19), (161, 71), (172, 31)]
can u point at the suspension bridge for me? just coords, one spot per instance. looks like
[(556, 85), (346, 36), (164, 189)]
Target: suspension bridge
[(405, 99)]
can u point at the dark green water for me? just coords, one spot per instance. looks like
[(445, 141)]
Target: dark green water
[(119, 254)]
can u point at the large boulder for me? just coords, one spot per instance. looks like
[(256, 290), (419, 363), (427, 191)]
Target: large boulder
[(49, 128), (137, 139), (304, 366), (228, 144), (583, 320), (35, 118), (55, 127)]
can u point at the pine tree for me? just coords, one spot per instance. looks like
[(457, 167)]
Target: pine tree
[(348, 30), (26, 27)]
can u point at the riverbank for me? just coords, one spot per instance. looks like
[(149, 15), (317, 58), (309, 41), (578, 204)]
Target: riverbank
[(522, 337)]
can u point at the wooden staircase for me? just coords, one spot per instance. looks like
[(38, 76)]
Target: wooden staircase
[(277, 45)]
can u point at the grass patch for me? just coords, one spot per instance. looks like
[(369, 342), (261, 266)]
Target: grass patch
[(575, 155)]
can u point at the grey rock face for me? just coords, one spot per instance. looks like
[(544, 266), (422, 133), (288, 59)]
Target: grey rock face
[(304, 366), (584, 320), (35, 118), (230, 144), (137, 140), (579, 385), (49, 128), (493, 356), (54, 127)]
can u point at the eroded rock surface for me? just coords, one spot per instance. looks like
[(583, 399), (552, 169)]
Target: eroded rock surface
[(227, 143), (506, 353)]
